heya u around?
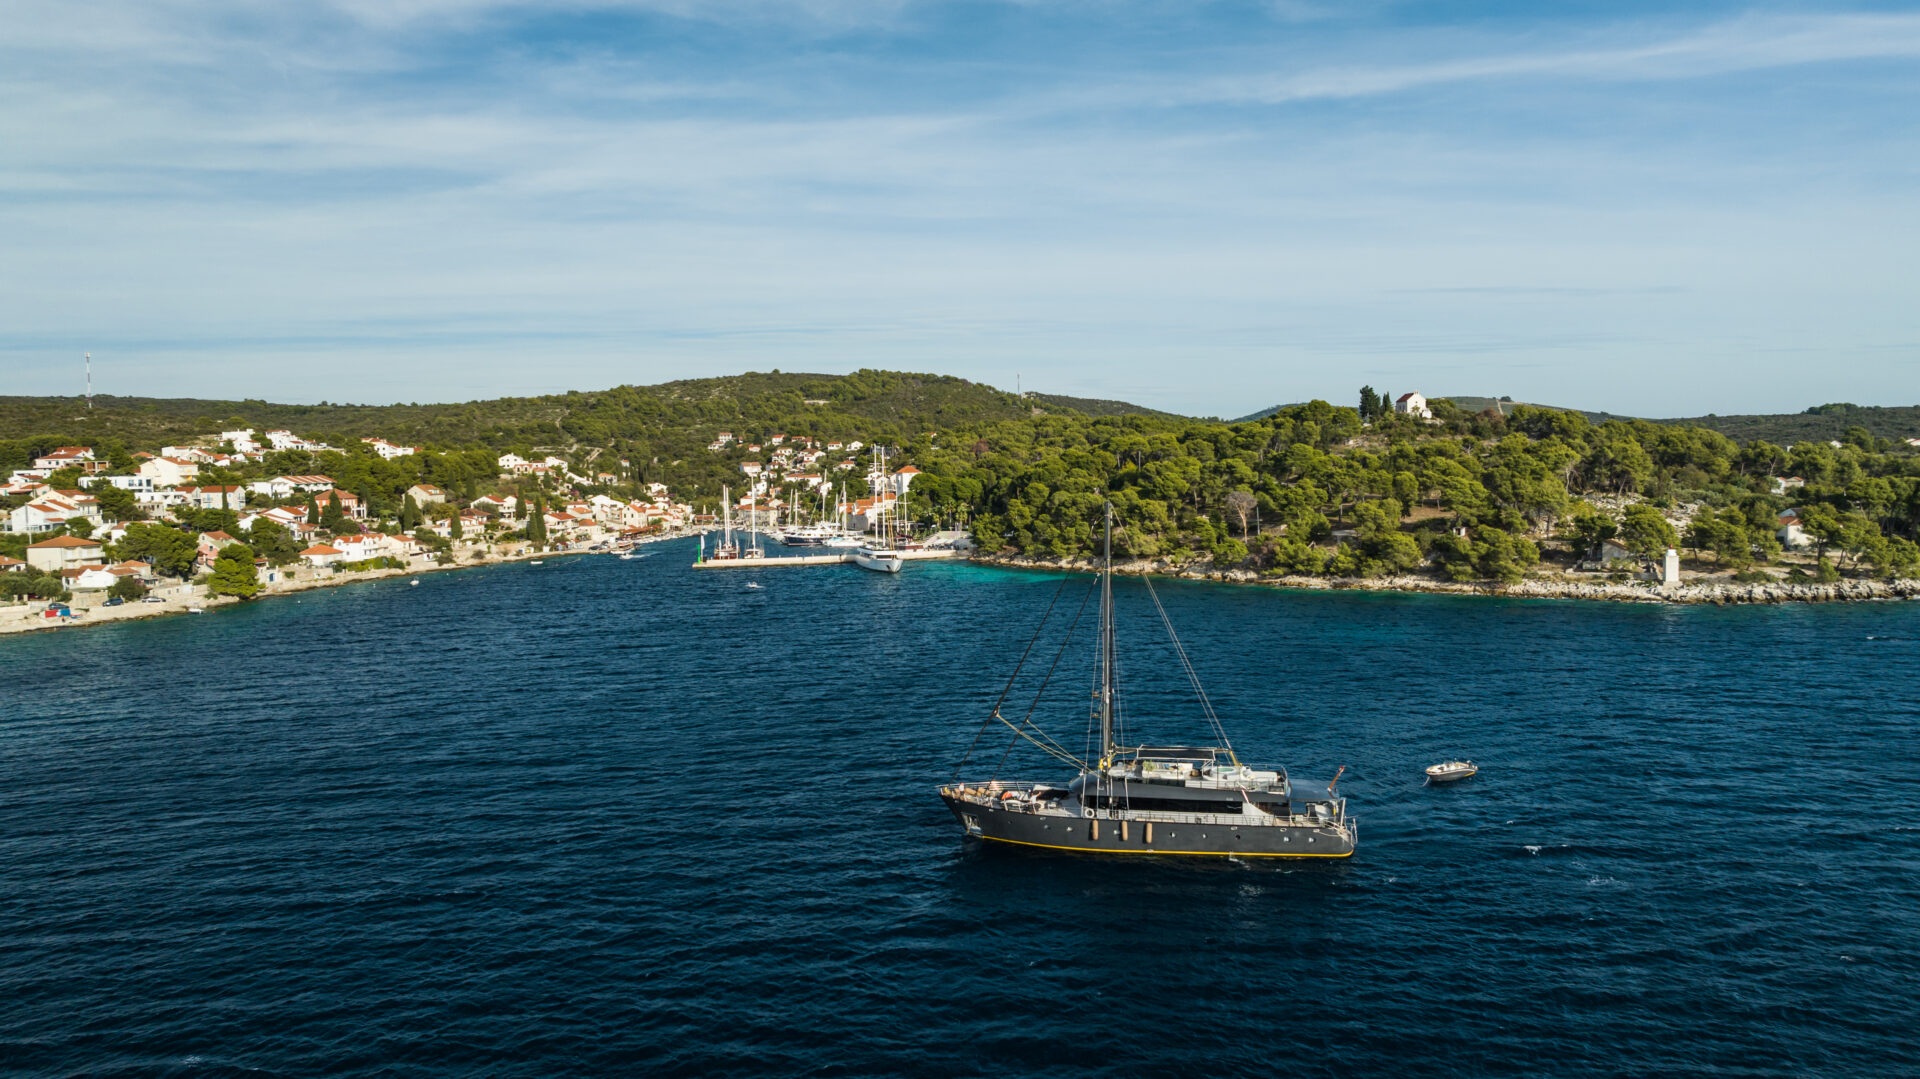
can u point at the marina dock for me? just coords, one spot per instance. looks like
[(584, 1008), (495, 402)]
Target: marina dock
[(836, 559)]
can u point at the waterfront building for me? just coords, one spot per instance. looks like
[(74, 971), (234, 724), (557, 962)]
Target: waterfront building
[(65, 552), (321, 554)]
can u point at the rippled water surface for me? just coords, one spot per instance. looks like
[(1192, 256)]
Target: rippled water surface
[(619, 818)]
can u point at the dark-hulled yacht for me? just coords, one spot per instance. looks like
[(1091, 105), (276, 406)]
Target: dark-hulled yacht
[(1153, 799)]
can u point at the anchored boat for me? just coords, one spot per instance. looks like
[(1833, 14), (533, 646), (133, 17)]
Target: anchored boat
[(1137, 798), (877, 559), (1452, 772)]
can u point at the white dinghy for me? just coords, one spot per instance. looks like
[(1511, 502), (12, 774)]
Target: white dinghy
[(1451, 772)]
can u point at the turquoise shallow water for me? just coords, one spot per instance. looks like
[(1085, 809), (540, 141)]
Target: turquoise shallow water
[(602, 817)]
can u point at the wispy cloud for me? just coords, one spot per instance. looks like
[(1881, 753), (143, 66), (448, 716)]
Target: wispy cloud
[(635, 187)]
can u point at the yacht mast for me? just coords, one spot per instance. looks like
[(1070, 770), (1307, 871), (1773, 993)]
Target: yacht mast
[(1106, 648)]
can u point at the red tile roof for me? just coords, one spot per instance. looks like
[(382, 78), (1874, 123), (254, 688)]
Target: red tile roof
[(64, 541)]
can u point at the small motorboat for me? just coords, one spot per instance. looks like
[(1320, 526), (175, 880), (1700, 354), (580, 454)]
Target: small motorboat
[(536, 562), (753, 584), (415, 583), (1451, 772)]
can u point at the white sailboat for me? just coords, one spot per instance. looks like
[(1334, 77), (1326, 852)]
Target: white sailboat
[(879, 556)]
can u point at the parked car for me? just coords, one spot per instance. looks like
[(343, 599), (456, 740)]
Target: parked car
[(153, 599), (113, 601)]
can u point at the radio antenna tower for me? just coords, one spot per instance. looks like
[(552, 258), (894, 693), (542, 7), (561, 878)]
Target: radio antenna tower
[(89, 382)]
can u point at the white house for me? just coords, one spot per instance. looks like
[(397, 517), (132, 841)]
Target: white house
[(89, 578), (286, 486), (136, 484), (64, 457), (511, 462), (169, 471), (606, 511), (1413, 404), (52, 508), (903, 479), (425, 494), (505, 507), (214, 498), (321, 554), (64, 552), (359, 548), (287, 440), (388, 451), (1790, 533)]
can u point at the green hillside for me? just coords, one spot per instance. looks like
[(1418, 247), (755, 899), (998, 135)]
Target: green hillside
[(865, 398), (1310, 489), (1822, 423), (1093, 406)]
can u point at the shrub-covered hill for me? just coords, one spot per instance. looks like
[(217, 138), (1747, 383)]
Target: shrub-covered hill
[(1093, 406), (804, 402), (1312, 488), (1822, 423)]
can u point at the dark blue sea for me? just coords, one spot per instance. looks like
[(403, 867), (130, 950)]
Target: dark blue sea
[(618, 818)]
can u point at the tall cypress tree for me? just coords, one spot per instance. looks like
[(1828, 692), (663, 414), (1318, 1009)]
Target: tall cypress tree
[(453, 526), (332, 519), (409, 515)]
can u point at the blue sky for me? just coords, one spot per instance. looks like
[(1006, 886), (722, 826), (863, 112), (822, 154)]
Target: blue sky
[(1202, 206)]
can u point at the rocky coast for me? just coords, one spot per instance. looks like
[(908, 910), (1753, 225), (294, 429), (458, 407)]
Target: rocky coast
[(1702, 589)]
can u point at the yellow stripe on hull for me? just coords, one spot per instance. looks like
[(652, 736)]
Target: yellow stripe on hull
[(1193, 853)]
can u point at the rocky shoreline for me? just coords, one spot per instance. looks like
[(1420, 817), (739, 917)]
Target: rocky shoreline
[(25, 619), (1694, 592)]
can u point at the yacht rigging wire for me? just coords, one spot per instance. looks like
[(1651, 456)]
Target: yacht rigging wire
[(1050, 747), (1008, 688), (1193, 677)]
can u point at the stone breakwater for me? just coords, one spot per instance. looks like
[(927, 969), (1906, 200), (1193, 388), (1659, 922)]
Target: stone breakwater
[(1701, 591)]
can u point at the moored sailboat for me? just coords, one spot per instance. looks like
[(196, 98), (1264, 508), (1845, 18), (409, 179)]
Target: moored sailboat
[(1152, 799)]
